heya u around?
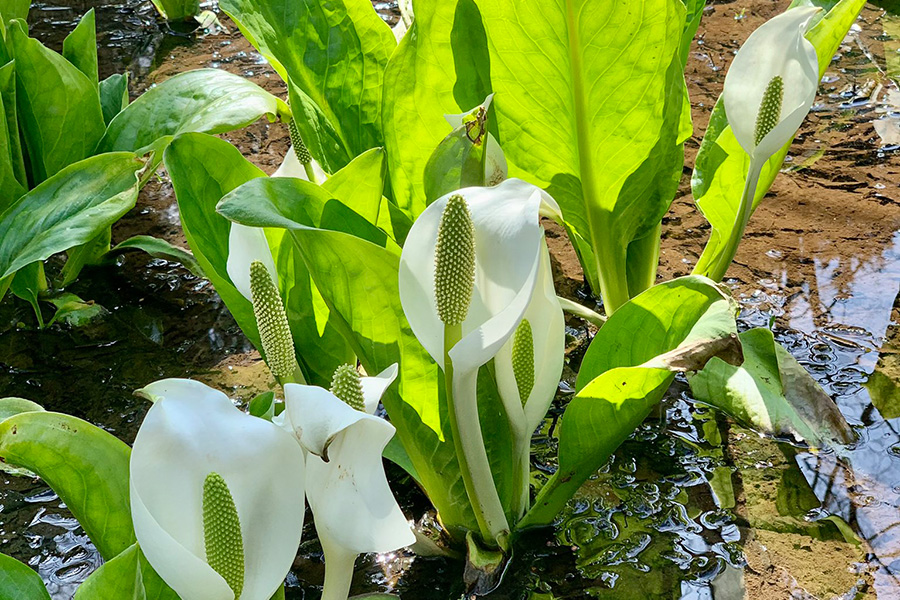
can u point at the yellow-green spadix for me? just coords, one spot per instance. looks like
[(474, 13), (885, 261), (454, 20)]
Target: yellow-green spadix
[(771, 84), (216, 495), (347, 489)]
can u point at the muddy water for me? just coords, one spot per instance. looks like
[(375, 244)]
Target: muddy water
[(692, 507)]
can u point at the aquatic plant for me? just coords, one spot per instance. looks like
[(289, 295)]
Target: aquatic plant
[(74, 153), (392, 238)]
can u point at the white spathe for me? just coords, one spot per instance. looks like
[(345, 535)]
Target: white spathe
[(191, 431), (292, 167), (246, 245), (347, 488), (496, 168), (777, 48), (513, 281)]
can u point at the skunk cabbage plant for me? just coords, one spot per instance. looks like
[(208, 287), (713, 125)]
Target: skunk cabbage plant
[(72, 149)]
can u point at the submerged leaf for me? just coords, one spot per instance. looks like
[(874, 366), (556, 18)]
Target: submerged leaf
[(772, 393)]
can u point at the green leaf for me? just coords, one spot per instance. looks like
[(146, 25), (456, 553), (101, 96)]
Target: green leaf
[(720, 169), (772, 392), (263, 405), (58, 106), (86, 466), (113, 95), (67, 210), (358, 280), (623, 375), (440, 67), (456, 163), (12, 406), (205, 100), (159, 248), (27, 284), (360, 184), (13, 181), (199, 185), (125, 577), (589, 98), (80, 47), (177, 10), (88, 253), (334, 56), (19, 581), (14, 9)]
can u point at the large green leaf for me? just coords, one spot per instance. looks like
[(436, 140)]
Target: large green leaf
[(623, 375), (86, 466), (80, 47), (13, 180), (69, 209), (204, 168), (589, 96), (440, 67), (205, 100), (19, 581), (58, 105), (128, 576), (334, 56), (14, 9), (357, 277), (159, 248), (772, 393), (720, 169)]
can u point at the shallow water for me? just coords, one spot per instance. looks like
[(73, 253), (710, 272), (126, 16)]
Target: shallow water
[(692, 507)]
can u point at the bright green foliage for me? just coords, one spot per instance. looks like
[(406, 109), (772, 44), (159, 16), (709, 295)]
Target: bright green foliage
[(274, 331), (19, 581), (454, 261), (67, 210), (347, 386), (205, 100), (80, 47), (562, 73), (222, 533), (58, 106), (618, 385), (720, 170), (128, 575), (86, 466), (334, 60), (523, 359), (443, 64)]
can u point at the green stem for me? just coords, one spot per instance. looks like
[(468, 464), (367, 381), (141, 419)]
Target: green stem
[(581, 311), (521, 472), (611, 258), (550, 500), (338, 572), (469, 444), (642, 262), (718, 269)]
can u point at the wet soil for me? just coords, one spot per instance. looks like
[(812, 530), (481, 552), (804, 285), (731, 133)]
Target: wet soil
[(692, 507)]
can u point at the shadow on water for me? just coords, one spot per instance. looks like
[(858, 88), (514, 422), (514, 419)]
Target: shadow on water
[(692, 507)]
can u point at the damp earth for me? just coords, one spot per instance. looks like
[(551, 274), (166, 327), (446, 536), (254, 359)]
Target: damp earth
[(693, 506)]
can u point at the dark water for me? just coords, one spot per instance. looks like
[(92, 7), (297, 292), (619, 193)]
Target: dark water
[(689, 508)]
